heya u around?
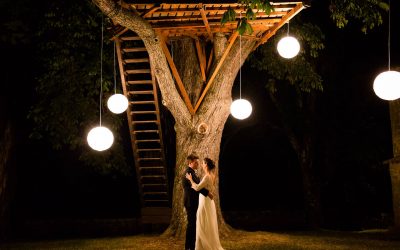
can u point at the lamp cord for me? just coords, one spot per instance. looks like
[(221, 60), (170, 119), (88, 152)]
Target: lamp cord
[(288, 26), (240, 62), (101, 65), (389, 38), (115, 78)]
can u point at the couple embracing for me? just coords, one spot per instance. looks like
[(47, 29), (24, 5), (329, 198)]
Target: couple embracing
[(202, 227)]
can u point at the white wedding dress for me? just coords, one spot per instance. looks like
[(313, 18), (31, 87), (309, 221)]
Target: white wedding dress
[(207, 236)]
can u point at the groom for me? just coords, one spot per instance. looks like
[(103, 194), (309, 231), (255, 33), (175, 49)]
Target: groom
[(191, 200)]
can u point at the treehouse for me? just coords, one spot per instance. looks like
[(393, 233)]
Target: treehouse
[(172, 20)]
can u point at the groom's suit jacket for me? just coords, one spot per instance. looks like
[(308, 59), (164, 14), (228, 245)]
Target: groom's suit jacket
[(191, 196)]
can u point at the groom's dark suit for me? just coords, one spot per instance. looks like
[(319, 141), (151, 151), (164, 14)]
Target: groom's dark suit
[(191, 202)]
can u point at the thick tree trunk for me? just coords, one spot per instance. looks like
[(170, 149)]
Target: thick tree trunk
[(202, 132)]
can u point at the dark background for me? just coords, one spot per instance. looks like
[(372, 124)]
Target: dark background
[(259, 174)]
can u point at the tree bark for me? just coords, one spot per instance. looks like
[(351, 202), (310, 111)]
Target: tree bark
[(202, 132)]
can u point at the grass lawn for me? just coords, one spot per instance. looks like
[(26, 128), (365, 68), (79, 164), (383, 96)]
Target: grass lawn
[(326, 240)]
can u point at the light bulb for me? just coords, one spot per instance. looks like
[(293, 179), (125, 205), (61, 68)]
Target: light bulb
[(288, 47), (387, 85), (100, 138), (117, 103), (241, 109)]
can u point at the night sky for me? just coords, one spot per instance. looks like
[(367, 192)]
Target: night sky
[(258, 168)]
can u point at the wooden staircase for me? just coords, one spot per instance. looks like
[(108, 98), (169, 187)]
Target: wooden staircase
[(140, 87)]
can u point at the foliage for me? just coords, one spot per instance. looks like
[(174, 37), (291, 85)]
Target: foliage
[(366, 11), (243, 25), (68, 88), (16, 24), (299, 71)]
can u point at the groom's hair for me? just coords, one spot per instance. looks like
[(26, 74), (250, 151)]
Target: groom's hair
[(192, 157)]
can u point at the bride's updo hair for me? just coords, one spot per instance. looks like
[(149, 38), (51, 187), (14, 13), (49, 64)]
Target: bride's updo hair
[(210, 163)]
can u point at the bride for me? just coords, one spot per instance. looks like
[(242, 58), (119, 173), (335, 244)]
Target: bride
[(206, 225)]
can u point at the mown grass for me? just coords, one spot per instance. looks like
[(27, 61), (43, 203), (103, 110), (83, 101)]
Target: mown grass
[(326, 240)]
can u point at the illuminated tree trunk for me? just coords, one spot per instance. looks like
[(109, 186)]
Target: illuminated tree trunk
[(201, 132)]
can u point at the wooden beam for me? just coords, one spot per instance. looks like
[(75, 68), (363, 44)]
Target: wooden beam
[(119, 33), (202, 61), (177, 77), (151, 11), (204, 17), (184, 9), (277, 26), (232, 39), (210, 60)]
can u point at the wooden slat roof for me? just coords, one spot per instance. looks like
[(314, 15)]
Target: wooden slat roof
[(196, 19)]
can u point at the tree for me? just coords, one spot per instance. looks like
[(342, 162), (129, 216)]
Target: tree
[(201, 132)]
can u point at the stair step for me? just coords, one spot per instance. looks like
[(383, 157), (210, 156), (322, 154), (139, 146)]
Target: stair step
[(145, 131), (137, 71), (140, 82), (152, 178), (134, 49), (149, 149), (149, 159), (155, 192), (153, 184), (141, 92), (156, 201), (136, 60), (142, 122), (152, 167), (152, 140), (144, 112), (142, 102)]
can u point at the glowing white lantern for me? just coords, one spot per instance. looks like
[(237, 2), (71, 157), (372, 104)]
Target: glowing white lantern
[(241, 109), (100, 138), (288, 47), (387, 85), (117, 103)]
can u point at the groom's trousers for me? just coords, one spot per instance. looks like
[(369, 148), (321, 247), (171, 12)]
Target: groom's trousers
[(191, 229)]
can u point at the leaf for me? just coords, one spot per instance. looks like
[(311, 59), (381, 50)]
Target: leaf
[(229, 15), (250, 14), (244, 27), (384, 6)]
